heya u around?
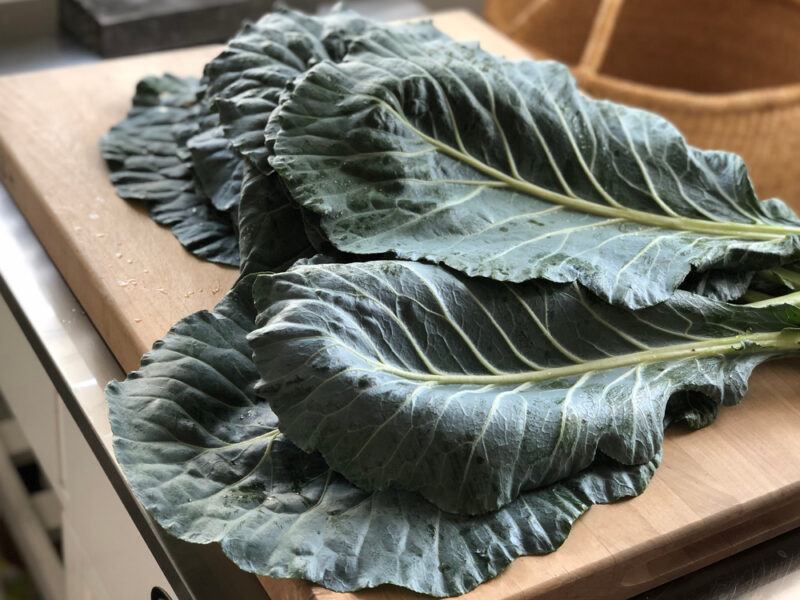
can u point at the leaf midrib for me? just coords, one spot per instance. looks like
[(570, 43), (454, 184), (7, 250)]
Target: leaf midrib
[(722, 228), (748, 343)]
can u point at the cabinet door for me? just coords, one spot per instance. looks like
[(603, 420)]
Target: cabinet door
[(112, 558), (30, 395), (82, 582)]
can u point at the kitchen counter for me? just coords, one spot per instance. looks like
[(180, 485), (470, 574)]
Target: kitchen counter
[(79, 364)]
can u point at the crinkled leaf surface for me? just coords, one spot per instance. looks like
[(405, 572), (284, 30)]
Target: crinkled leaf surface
[(719, 285), (217, 167), (272, 233), (314, 233), (172, 151), (202, 453), (199, 227), (149, 162), (779, 281), (247, 79), (472, 391), (504, 169), (141, 150)]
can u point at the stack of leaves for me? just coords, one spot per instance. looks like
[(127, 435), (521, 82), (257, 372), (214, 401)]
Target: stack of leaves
[(471, 300)]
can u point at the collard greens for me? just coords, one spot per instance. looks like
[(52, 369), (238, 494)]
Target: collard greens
[(504, 169), (272, 235), (149, 161), (472, 391), (187, 144), (471, 301), (203, 453)]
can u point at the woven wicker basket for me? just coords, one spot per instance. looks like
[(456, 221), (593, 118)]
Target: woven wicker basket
[(726, 72)]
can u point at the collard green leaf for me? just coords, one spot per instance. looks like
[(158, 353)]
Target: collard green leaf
[(472, 391), (719, 285), (172, 151), (199, 227), (202, 453), (149, 162), (314, 232), (141, 150), (504, 169), (518, 405), (272, 234), (217, 167), (778, 281), (247, 79)]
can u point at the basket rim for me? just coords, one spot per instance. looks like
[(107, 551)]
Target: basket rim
[(764, 99), (760, 99)]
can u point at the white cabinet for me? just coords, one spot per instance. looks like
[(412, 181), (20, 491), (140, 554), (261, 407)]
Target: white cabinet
[(30, 395), (115, 559), (82, 581), (104, 556)]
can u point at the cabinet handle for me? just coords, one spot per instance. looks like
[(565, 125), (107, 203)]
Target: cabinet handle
[(158, 594)]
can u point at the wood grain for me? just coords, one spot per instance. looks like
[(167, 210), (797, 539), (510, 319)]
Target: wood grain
[(719, 490), (131, 276)]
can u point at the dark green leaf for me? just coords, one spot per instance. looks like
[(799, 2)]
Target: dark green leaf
[(217, 167), (472, 391), (719, 285), (149, 162), (202, 453), (141, 150), (199, 227), (504, 169), (247, 79), (272, 234)]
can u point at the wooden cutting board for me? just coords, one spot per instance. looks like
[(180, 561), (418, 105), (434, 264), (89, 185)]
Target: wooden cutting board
[(719, 490)]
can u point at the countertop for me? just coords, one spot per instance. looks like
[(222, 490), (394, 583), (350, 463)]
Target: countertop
[(80, 364)]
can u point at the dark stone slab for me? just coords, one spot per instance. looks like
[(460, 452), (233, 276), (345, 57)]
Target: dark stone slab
[(120, 27)]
